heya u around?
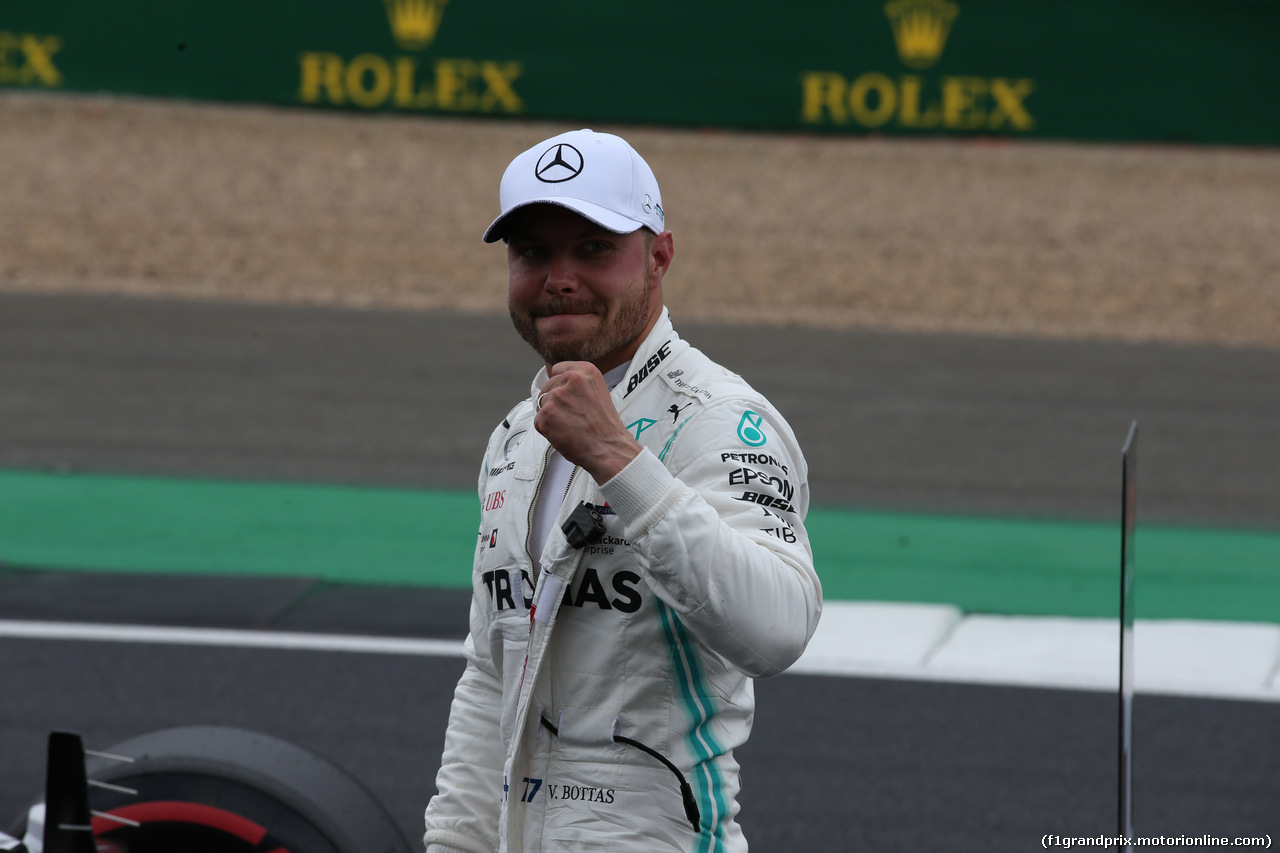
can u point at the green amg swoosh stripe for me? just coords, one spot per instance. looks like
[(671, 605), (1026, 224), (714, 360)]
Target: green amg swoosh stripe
[(666, 448), (708, 782)]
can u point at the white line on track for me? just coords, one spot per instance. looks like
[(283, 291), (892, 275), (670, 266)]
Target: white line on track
[(229, 638), (919, 642), (937, 642)]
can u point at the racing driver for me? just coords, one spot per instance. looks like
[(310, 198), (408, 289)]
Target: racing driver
[(641, 556)]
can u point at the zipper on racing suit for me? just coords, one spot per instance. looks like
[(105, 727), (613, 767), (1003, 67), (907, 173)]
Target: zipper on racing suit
[(691, 811), (533, 505), (534, 569)]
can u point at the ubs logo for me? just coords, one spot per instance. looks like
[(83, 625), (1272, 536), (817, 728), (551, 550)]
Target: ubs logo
[(561, 162)]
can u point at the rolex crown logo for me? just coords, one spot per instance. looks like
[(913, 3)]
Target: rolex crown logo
[(920, 28), (414, 22)]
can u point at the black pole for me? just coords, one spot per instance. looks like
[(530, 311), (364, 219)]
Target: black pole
[(1129, 458)]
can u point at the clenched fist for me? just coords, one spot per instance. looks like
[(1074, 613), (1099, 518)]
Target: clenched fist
[(576, 414)]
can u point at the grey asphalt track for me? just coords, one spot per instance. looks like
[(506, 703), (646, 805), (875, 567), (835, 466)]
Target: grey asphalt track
[(835, 765), (894, 421), (888, 420)]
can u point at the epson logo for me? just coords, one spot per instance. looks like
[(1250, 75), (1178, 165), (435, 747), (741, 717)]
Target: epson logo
[(749, 476)]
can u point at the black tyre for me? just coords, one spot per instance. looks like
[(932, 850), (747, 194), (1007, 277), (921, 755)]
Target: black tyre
[(224, 790)]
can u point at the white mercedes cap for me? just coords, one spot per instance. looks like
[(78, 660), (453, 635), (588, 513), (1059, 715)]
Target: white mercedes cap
[(595, 174)]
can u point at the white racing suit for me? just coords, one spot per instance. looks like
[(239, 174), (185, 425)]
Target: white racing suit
[(603, 699)]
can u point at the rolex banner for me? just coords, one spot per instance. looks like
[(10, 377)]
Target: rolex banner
[(1156, 70)]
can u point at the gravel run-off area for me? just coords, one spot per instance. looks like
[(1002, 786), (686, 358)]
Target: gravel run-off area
[(106, 194)]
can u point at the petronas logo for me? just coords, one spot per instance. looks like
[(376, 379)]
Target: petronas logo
[(414, 22), (920, 28)]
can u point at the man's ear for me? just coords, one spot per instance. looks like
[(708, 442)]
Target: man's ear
[(661, 253)]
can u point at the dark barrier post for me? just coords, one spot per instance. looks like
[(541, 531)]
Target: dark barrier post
[(1129, 465)]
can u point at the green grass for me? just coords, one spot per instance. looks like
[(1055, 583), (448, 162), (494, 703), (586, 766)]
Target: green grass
[(425, 538), (1046, 567)]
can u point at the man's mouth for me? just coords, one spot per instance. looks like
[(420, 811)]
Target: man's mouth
[(560, 311)]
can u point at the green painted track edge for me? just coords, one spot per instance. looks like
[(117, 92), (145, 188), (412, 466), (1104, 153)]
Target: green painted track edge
[(419, 537)]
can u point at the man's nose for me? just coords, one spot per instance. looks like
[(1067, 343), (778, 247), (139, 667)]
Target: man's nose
[(562, 276)]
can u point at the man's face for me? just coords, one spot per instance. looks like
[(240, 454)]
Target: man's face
[(578, 292)]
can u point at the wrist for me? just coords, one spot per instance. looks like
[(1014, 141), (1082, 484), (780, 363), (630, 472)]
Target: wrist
[(610, 463), (644, 492)]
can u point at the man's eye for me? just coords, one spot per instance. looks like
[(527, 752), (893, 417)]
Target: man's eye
[(595, 247)]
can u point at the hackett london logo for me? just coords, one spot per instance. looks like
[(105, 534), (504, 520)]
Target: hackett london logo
[(373, 81), (912, 101), (414, 22), (920, 29)]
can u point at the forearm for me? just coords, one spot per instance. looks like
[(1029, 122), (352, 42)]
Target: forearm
[(754, 602)]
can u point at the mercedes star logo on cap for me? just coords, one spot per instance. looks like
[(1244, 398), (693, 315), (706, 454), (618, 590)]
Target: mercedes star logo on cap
[(560, 162)]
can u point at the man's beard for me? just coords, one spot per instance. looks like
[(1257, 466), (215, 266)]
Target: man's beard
[(612, 335)]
